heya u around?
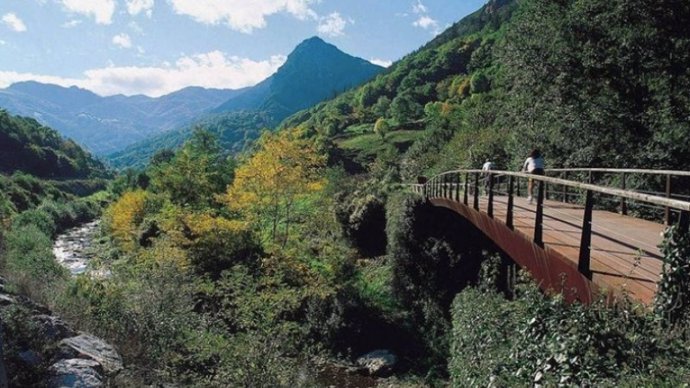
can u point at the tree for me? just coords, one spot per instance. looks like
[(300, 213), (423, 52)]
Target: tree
[(381, 127), (195, 174), (269, 185)]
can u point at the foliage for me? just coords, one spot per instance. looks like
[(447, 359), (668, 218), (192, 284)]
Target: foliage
[(26, 145), (269, 185), (537, 339), (125, 215), (381, 127), (29, 257), (195, 173), (672, 299)]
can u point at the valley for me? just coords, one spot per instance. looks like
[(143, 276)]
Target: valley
[(330, 225)]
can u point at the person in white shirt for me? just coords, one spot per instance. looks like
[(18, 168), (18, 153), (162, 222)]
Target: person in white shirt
[(487, 166), (534, 164)]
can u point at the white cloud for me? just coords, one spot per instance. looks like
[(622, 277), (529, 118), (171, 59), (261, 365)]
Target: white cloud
[(13, 22), (135, 7), (71, 24), (332, 25), (211, 70), (241, 15), (419, 8), (101, 10), (381, 62), (426, 23), (122, 41)]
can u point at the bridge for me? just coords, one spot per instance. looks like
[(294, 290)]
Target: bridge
[(588, 230)]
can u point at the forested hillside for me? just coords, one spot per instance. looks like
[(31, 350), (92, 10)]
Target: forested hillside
[(27, 146), (610, 80), (288, 263)]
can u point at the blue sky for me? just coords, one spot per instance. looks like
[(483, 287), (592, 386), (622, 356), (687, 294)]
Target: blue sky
[(154, 47)]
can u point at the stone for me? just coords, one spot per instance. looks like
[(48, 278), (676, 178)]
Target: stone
[(378, 363), (53, 328), (76, 373), (30, 357), (89, 346), (6, 300)]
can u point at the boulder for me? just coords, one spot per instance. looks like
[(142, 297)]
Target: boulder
[(89, 346), (378, 363), (76, 373), (30, 358), (52, 327), (6, 300)]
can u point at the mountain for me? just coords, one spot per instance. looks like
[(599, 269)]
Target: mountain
[(313, 72), (107, 124), (27, 146)]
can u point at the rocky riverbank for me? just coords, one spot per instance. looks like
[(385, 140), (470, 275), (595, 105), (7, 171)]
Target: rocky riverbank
[(42, 350)]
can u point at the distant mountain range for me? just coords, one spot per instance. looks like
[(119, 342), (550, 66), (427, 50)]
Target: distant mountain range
[(315, 71), (107, 124)]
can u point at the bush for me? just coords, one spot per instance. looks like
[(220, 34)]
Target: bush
[(40, 219), (29, 255), (539, 339)]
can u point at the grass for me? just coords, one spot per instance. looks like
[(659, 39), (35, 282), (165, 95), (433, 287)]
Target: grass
[(374, 285), (368, 146)]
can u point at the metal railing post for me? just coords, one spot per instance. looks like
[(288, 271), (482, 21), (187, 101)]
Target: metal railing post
[(583, 264), (624, 204), (667, 210), (467, 187), (565, 188), (509, 214), (539, 218), (476, 191), (490, 209), (457, 187)]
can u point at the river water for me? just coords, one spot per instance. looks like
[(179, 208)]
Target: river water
[(73, 249)]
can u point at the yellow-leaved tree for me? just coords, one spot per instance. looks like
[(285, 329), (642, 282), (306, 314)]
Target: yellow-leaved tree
[(271, 185), (125, 215)]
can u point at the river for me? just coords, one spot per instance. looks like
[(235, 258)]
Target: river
[(73, 248)]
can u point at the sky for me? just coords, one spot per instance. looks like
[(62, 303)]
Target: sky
[(155, 47)]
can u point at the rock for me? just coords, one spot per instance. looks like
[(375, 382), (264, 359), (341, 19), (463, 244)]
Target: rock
[(378, 363), (98, 350), (30, 357), (76, 373), (6, 300), (52, 327)]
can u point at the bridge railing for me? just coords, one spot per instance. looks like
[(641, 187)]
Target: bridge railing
[(464, 186), (672, 184)]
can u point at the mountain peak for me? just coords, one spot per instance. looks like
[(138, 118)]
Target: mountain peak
[(315, 70)]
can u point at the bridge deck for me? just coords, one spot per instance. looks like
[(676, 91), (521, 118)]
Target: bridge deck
[(624, 252)]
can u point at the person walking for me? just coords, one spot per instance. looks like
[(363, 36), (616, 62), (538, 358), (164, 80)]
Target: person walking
[(534, 164)]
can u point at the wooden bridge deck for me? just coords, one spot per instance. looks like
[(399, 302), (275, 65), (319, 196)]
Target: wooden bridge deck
[(624, 252)]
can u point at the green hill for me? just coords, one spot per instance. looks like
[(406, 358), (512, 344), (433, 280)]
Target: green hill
[(590, 83), (29, 147)]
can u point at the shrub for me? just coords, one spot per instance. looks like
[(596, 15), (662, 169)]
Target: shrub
[(537, 339), (672, 300), (29, 255), (40, 219)]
